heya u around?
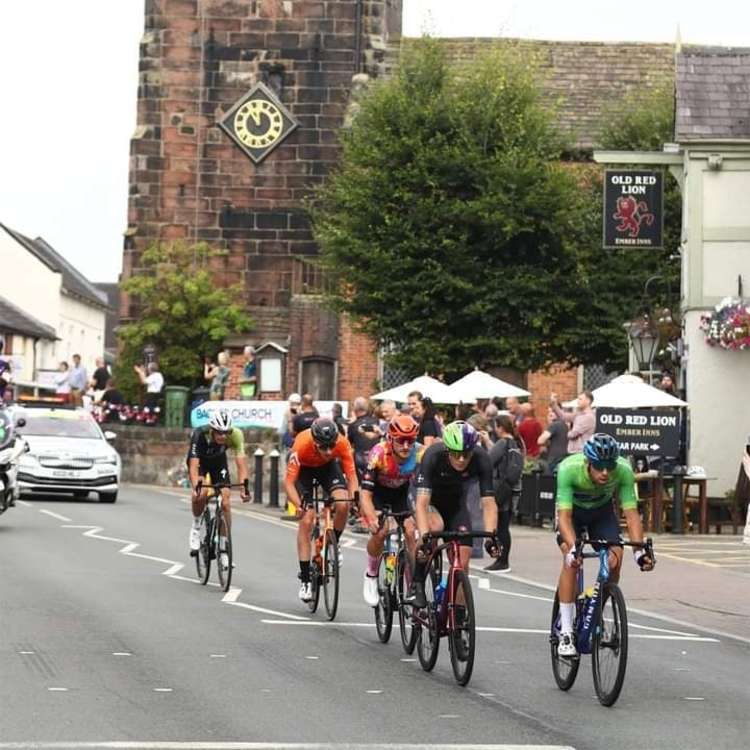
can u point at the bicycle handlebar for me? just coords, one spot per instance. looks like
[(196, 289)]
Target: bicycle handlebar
[(647, 545), (223, 486), (446, 535), (388, 513)]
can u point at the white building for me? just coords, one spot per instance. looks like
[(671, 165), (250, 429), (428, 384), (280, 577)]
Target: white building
[(48, 309)]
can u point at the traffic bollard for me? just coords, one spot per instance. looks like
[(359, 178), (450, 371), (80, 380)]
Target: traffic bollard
[(258, 485), (273, 483)]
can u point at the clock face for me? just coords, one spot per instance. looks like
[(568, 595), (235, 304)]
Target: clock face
[(258, 123)]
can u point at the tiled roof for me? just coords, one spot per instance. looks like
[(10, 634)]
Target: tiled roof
[(583, 79), (15, 320), (73, 280), (713, 93)]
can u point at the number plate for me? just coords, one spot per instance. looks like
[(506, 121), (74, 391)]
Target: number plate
[(65, 474)]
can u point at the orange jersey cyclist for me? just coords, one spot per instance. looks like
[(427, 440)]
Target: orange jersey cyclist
[(445, 473), (319, 454), (391, 465)]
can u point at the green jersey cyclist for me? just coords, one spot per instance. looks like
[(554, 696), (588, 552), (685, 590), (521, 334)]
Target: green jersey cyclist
[(586, 484), (447, 470), (207, 463)]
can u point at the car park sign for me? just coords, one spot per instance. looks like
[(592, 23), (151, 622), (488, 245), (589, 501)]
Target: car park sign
[(651, 432)]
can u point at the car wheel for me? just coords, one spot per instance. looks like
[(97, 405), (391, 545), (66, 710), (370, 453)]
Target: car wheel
[(107, 497)]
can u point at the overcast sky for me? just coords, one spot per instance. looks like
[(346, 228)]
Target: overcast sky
[(69, 73)]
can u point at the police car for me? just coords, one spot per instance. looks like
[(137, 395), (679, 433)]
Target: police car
[(68, 452)]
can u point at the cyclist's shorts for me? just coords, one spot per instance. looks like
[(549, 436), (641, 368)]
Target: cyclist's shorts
[(601, 523), (456, 517), (396, 498), (329, 477), (217, 470)]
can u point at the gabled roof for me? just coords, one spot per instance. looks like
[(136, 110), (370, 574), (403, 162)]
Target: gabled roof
[(73, 281), (713, 94), (15, 320)]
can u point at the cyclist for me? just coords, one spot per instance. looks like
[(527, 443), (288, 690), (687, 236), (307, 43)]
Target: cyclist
[(315, 455), (207, 457), (586, 484), (391, 465), (445, 474)]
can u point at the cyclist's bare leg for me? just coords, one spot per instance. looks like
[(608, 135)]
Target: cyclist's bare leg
[(615, 563), (199, 503), (303, 534), (411, 543), (226, 506), (566, 585), (376, 541), (341, 510)]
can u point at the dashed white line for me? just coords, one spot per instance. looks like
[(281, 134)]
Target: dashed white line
[(373, 692), (27, 652), (57, 689), (121, 653), (54, 515), (218, 656), (162, 690), (691, 698), (312, 658)]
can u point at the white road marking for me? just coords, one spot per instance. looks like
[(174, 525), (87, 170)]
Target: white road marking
[(27, 652), (374, 692), (408, 660), (55, 515), (121, 653), (486, 695), (269, 611), (24, 503), (128, 548), (129, 745), (218, 656), (148, 557), (448, 716), (312, 658), (57, 689), (174, 569), (690, 698), (162, 690), (232, 595)]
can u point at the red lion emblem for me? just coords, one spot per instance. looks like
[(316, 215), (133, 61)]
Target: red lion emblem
[(631, 214)]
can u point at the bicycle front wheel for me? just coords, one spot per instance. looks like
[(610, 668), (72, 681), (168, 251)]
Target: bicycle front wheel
[(224, 556), (384, 608), (564, 668), (609, 645), (315, 574), (462, 631), (428, 643), (331, 573), (409, 632), (203, 558)]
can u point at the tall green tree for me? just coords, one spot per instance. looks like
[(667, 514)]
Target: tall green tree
[(451, 226), (181, 311)]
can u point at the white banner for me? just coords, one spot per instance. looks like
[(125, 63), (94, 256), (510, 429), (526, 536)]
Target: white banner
[(246, 414)]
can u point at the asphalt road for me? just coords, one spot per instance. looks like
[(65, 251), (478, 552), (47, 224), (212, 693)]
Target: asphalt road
[(105, 638)]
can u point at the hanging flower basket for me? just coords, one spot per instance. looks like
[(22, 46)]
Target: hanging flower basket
[(728, 326)]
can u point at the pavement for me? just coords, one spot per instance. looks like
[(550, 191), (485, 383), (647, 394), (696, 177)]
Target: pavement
[(107, 641)]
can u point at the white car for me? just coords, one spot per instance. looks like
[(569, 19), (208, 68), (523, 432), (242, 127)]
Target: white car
[(68, 452)]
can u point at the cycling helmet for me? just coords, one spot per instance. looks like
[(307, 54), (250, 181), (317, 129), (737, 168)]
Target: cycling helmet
[(403, 427), (220, 420), (601, 448), (460, 436), (324, 432)]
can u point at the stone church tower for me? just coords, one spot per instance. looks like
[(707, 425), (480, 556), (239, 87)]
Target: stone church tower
[(240, 103)]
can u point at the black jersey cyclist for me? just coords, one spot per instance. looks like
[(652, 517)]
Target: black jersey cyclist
[(207, 458), (445, 474), (586, 485)]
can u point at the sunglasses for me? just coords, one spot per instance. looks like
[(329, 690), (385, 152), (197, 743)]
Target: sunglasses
[(223, 433), (460, 454), (602, 465), (405, 442)]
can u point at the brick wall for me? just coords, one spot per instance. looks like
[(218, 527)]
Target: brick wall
[(358, 365), (558, 379)]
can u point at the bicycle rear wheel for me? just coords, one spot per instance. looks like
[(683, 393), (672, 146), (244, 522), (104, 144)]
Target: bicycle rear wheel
[(203, 558), (609, 645), (564, 668), (331, 573), (462, 633), (225, 574), (428, 643), (384, 608), (409, 631)]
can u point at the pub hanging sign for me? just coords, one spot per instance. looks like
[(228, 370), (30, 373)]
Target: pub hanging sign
[(633, 209)]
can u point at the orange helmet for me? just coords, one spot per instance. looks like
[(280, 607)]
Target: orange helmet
[(403, 427)]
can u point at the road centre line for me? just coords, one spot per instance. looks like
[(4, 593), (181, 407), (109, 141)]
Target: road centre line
[(55, 515), (134, 745)]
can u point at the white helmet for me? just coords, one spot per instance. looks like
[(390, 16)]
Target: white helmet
[(220, 421)]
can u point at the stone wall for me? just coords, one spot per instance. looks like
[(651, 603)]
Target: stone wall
[(150, 453)]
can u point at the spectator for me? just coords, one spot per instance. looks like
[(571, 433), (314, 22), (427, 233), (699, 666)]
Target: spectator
[(491, 410), (530, 429), (666, 384), (363, 433), (218, 375), (249, 374), (5, 370), (507, 456), (553, 441), (412, 400), (481, 424), (99, 379), (513, 406), (429, 428), (62, 381), (78, 380), (293, 405), (337, 414), (582, 423), (306, 415), (154, 382), (111, 396), (387, 413)]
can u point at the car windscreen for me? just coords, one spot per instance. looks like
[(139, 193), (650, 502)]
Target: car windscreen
[(47, 426)]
